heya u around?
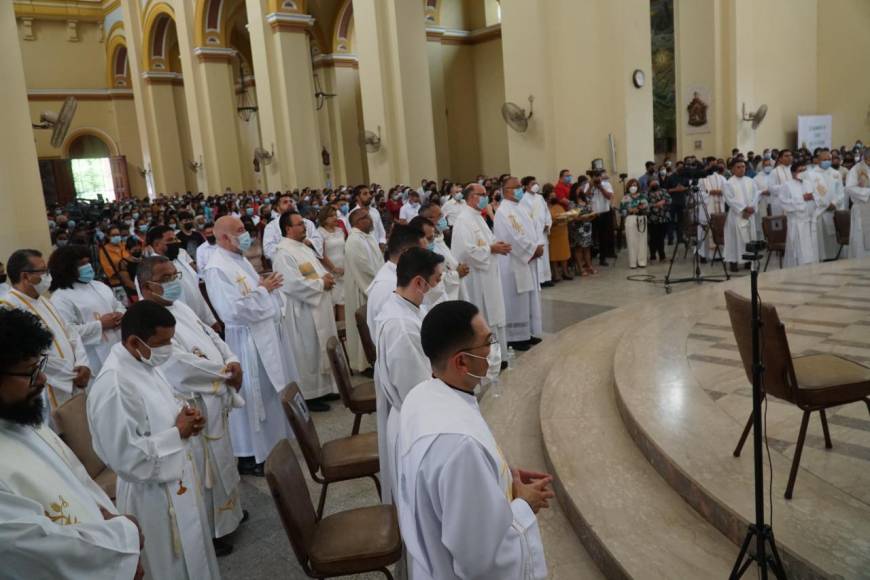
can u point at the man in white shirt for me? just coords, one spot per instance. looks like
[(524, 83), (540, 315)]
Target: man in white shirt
[(473, 243), (537, 208), (410, 208), (55, 522), (205, 249), (401, 364), (272, 232), (602, 226), (858, 193), (402, 237), (829, 188), (518, 269), (463, 512), (208, 375), (363, 259), (712, 188), (452, 208), (741, 195), (142, 432), (68, 367), (309, 315)]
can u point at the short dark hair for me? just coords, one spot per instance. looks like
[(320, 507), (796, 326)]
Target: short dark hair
[(156, 233), (418, 222), (22, 336), (284, 221), (18, 262), (402, 237), (525, 181), (64, 265), (416, 261), (144, 318), (447, 330), (145, 269), (562, 172), (425, 209)]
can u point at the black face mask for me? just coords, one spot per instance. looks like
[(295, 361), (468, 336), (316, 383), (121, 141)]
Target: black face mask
[(186, 225), (211, 240), (2, 278), (172, 251)]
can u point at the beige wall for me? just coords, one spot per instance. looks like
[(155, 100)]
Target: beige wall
[(462, 114), (52, 62), (489, 93), (350, 108)]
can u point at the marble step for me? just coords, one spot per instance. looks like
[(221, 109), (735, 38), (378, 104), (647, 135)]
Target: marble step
[(630, 520)]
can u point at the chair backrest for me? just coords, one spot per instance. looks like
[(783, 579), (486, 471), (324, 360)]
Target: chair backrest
[(71, 421), (300, 420), (775, 229), (340, 370), (292, 500), (364, 334), (717, 226), (690, 224), (843, 226), (779, 378)]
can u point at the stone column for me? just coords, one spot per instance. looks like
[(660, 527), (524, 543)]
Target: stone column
[(390, 42), (166, 158), (22, 205)]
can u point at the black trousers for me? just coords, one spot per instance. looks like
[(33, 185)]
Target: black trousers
[(602, 234), (657, 240), (676, 223)]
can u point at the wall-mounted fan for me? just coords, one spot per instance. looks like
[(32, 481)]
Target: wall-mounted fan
[(58, 122), (372, 140), (516, 117), (757, 117)]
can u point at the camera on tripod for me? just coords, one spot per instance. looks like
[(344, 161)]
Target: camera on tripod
[(754, 250)]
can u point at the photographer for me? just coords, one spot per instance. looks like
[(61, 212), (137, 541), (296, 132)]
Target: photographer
[(602, 227), (677, 185)]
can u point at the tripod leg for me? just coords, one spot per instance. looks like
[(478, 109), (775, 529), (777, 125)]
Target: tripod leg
[(767, 261), (743, 436), (775, 560), (797, 455), (740, 566), (827, 433)]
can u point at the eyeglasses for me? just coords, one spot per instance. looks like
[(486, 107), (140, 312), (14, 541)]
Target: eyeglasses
[(173, 278), (43, 271), (493, 339), (33, 374)]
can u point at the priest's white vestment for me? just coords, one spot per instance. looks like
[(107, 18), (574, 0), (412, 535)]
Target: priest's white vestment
[(455, 499), (363, 259), (131, 414), (450, 287), (713, 204), (536, 206), (50, 520), (191, 294), (830, 191), (762, 182), (309, 316), (378, 292), (740, 193), (776, 184), (519, 274), (802, 244), (197, 372), (254, 333), (858, 192)]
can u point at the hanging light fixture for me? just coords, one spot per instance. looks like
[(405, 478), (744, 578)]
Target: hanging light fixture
[(245, 107)]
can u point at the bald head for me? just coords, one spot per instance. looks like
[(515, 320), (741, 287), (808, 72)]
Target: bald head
[(226, 232), (361, 220), (472, 193)]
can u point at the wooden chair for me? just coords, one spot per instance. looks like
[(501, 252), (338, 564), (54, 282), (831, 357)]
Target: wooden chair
[(366, 336), (843, 228), (338, 460), (71, 422), (359, 399), (812, 382), (349, 542), (717, 230), (775, 230)]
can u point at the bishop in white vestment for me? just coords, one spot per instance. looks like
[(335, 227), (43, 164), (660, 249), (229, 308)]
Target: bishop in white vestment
[(363, 259), (858, 193), (741, 195), (309, 316), (133, 419)]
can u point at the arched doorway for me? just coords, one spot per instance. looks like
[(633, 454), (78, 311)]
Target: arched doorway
[(90, 161)]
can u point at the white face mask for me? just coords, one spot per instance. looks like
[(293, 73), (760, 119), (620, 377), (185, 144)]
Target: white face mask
[(536, 188), (632, 189), (159, 355), (493, 361), (44, 283)]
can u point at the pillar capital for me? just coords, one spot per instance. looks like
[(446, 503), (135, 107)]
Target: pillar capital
[(289, 21), (153, 77), (214, 54)]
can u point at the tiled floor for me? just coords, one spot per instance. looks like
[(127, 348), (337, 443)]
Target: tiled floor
[(261, 548)]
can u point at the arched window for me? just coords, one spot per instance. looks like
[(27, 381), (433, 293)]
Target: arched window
[(91, 168)]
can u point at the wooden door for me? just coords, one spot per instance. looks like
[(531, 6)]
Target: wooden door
[(120, 178)]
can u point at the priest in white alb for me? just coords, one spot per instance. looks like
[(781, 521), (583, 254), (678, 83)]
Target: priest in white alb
[(474, 244), (802, 207), (778, 180), (142, 432), (858, 193), (831, 193), (401, 364), (204, 372), (463, 512), (519, 271), (762, 181), (68, 368), (537, 208), (741, 195), (450, 287), (363, 259), (309, 316), (382, 287), (55, 522), (250, 307), (712, 194)]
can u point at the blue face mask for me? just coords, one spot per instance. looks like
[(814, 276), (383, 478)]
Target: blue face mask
[(519, 194), (171, 290), (115, 240), (344, 208), (568, 179), (86, 274), (249, 211), (71, 223), (431, 246), (442, 224), (244, 241), (143, 228), (100, 235), (135, 215), (825, 164), (483, 202)]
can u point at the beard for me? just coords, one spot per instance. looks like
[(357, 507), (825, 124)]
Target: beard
[(28, 412)]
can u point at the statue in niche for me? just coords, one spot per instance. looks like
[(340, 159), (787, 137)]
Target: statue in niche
[(697, 111)]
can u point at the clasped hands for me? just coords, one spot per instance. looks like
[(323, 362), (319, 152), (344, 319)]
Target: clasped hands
[(533, 487)]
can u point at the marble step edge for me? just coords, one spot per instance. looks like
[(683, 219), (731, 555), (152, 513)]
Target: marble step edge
[(598, 537)]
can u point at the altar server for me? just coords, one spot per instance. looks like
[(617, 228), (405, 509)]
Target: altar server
[(55, 522), (363, 259), (802, 207), (401, 364), (309, 315), (858, 193), (536, 206), (85, 304), (382, 287), (741, 195), (250, 307), (450, 287), (473, 243), (142, 432), (207, 374), (463, 512), (831, 193), (518, 269), (68, 367)]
